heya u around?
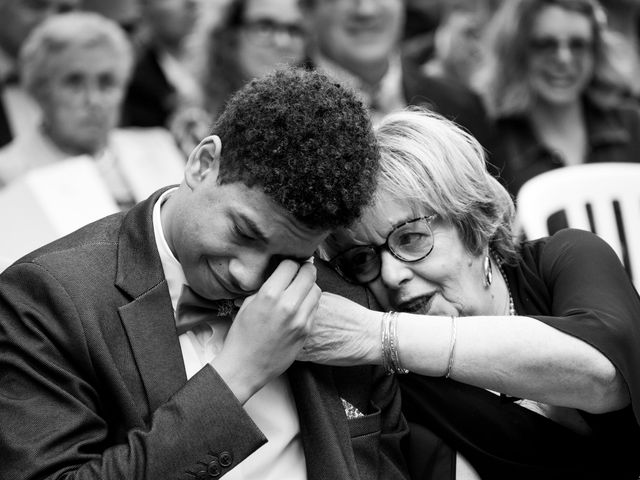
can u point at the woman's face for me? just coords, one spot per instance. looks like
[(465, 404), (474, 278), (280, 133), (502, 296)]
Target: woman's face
[(449, 281), (561, 55), (271, 35), (82, 96)]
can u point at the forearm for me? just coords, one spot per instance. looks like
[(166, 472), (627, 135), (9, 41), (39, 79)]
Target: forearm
[(200, 421), (519, 356)]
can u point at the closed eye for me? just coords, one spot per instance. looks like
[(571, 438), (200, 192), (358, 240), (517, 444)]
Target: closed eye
[(242, 234)]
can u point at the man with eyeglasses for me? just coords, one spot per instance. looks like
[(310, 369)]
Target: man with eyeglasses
[(19, 17)]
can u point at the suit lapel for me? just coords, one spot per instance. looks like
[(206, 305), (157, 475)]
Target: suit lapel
[(323, 424), (148, 319)]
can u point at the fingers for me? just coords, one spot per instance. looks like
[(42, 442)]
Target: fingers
[(290, 282)]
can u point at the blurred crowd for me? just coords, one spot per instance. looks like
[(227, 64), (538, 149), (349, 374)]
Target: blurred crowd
[(132, 85)]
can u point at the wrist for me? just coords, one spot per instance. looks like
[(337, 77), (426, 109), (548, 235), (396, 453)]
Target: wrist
[(389, 345), (242, 381)]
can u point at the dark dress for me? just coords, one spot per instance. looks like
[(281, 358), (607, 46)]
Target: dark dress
[(574, 282)]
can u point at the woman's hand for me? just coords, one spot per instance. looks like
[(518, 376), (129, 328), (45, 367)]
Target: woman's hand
[(343, 333)]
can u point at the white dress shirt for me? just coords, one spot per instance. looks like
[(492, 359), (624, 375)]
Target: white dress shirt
[(272, 408)]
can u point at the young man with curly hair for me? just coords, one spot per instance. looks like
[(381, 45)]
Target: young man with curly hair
[(103, 373)]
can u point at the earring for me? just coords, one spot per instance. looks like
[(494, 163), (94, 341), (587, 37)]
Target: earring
[(488, 274)]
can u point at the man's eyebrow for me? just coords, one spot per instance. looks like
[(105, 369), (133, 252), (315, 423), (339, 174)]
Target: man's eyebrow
[(254, 230)]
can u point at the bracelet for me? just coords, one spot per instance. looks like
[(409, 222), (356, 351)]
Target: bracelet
[(452, 346), (389, 344)]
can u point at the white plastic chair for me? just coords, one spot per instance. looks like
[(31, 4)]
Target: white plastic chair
[(589, 195)]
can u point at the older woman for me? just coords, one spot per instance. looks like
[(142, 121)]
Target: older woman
[(76, 66), (554, 85), (524, 357)]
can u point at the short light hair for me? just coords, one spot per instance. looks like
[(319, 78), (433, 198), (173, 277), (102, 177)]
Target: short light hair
[(41, 52), (431, 163), (503, 80)]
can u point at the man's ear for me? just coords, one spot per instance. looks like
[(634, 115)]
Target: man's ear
[(204, 161)]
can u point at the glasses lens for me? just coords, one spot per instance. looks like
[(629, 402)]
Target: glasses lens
[(359, 264), (412, 241)]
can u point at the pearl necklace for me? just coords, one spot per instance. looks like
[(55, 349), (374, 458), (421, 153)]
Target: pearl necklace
[(512, 308)]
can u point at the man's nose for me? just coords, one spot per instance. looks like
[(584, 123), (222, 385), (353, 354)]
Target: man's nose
[(250, 272)]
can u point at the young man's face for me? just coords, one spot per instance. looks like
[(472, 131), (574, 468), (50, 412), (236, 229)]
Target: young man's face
[(230, 238)]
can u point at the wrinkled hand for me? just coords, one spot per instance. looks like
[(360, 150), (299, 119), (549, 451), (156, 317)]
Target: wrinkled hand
[(343, 333), (270, 329)]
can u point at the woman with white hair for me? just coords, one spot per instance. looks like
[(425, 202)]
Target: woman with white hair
[(524, 357), (76, 66)]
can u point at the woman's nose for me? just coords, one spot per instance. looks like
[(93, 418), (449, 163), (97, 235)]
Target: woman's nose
[(393, 271)]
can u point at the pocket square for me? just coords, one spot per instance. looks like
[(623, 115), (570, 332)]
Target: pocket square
[(350, 410)]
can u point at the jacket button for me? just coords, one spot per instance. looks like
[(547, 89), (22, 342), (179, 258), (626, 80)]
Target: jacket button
[(214, 468), (226, 459)]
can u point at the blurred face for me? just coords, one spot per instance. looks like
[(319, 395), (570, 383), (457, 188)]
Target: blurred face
[(356, 32), (271, 35), (82, 96), (561, 55), (448, 281), (171, 20), (229, 238), (460, 43), (19, 17)]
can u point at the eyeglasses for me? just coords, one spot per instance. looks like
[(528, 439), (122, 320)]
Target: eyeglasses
[(410, 241), (549, 47), (264, 30)]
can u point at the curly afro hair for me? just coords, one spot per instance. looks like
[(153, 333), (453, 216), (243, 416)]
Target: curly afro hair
[(306, 141)]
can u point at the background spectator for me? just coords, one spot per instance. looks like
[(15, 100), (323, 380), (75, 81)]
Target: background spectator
[(162, 74), (553, 87), (455, 51), (76, 66), (19, 17)]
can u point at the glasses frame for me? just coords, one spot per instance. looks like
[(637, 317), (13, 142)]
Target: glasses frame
[(551, 47), (385, 246), (265, 30)]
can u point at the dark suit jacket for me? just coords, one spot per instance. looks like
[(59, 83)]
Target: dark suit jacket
[(92, 382), (150, 98)]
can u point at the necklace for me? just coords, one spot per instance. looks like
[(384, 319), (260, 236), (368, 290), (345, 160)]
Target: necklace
[(512, 308)]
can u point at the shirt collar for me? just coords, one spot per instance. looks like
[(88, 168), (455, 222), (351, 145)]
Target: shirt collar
[(171, 266)]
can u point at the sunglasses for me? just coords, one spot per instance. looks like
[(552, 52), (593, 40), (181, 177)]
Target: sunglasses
[(409, 241), (550, 46)]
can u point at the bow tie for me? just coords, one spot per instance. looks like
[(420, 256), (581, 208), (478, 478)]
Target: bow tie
[(194, 310)]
